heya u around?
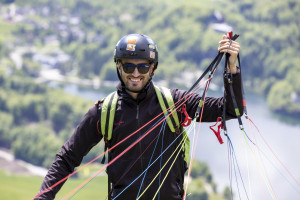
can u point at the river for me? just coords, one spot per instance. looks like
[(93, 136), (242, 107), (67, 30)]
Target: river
[(263, 175)]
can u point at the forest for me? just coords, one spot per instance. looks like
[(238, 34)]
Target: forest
[(76, 39)]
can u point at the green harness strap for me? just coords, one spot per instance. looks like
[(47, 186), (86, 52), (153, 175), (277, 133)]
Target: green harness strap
[(164, 94), (165, 100), (108, 114)]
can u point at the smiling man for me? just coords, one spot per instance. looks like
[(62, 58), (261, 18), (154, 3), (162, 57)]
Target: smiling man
[(137, 171), (136, 57), (135, 74)]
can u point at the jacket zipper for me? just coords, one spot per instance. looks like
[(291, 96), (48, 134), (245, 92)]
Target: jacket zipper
[(140, 144), (137, 111)]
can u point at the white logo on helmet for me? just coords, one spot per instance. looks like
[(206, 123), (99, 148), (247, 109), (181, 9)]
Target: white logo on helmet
[(131, 43), (130, 47), (152, 54)]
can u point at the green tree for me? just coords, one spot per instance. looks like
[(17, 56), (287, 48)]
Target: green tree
[(200, 169), (280, 96), (6, 124), (196, 190), (227, 193), (36, 144)]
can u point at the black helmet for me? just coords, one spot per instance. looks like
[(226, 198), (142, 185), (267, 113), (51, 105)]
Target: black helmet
[(136, 46)]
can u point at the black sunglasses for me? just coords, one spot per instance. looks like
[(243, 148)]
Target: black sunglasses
[(129, 68)]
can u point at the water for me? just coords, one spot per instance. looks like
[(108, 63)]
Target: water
[(282, 138)]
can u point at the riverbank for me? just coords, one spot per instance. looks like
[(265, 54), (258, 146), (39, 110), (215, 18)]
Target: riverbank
[(14, 166)]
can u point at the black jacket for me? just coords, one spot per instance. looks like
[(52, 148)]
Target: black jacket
[(130, 115)]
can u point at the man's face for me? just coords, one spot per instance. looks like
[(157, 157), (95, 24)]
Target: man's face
[(135, 81)]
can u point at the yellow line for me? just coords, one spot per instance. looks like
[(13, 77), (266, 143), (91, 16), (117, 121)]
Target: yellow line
[(180, 145), (261, 170)]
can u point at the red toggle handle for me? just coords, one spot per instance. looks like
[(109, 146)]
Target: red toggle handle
[(218, 133), (187, 119)]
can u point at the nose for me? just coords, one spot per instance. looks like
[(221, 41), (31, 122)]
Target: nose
[(136, 72)]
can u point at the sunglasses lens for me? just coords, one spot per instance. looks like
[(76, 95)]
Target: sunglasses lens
[(129, 68), (143, 68)]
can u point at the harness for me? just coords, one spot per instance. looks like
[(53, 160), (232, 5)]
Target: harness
[(166, 102)]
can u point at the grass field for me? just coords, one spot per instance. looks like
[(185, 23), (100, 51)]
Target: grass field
[(17, 187), (22, 187)]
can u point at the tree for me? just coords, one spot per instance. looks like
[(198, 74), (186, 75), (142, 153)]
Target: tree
[(227, 193), (197, 191), (36, 144), (280, 96), (200, 169)]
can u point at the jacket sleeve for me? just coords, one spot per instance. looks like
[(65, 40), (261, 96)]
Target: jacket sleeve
[(213, 107), (85, 137)]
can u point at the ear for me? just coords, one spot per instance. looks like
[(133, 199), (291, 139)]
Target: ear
[(119, 67), (152, 70)]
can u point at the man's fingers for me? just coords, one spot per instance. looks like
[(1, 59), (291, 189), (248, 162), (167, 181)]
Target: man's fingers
[(228, 46), (222, 42), (232, 48), (231, 52)]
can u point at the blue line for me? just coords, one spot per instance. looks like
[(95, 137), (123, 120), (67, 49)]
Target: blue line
[(249, 138), (279, 171), (149, 166), (99, 172), (239, 169), (83, 186), (237, 183), (230, 167), (161, 150), (233, 164), (163, 125)]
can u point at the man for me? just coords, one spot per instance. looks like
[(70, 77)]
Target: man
[(136, 59)]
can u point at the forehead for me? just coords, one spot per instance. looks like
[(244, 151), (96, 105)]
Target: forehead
[(135, 61)]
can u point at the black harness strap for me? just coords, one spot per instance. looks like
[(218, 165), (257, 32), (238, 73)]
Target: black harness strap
[(228, 77), (212, 68), (205, 72)]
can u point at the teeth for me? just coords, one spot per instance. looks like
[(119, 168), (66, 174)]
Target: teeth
[(135, 80)]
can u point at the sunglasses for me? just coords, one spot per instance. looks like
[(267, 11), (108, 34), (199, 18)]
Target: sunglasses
[(142, 68)]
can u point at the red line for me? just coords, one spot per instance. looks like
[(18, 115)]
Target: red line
[(133, 144), (292, 176), (196, 141), (189, 95), (133, 163), (253, 135), (244, 102)]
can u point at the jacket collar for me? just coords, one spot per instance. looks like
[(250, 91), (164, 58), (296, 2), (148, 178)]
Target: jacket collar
[(148, 90)]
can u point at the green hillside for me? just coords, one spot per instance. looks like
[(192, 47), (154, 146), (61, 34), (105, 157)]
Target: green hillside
[(49, 42), (20, 187), (186, 33)]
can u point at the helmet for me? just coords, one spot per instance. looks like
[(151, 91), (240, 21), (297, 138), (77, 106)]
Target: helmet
[(136, 46)]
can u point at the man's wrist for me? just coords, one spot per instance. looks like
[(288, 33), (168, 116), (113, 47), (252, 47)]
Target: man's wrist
[(232, 69)]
